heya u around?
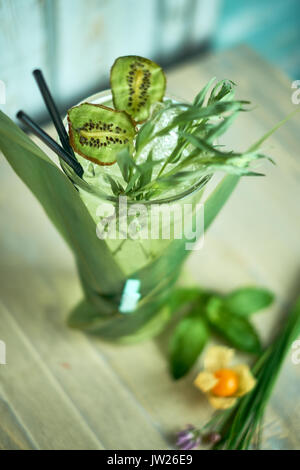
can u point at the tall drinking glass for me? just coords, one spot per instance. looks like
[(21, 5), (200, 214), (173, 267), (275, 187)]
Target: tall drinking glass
[(145, 243)]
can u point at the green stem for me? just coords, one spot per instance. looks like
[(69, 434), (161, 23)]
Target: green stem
[(250, 410)]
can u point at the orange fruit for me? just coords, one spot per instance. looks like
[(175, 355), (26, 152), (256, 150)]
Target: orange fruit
[(228, 383)]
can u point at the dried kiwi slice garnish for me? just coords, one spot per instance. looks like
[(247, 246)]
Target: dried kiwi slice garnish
[(99, 133), (136, 84)]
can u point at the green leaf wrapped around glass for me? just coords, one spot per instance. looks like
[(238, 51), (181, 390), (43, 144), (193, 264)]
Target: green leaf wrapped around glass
[(149, 165)]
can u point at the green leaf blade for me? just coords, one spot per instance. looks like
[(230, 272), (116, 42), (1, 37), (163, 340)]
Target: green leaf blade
[(144, 135), (62, 204), (248, 300), (200, 97), (237, 330), (188, 340)]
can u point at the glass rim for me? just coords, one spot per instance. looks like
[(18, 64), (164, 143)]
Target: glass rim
[(100, 98)]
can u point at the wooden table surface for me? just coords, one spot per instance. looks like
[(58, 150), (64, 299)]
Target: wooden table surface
[(61, 389)]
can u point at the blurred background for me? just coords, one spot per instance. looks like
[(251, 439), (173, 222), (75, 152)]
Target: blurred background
[(76, 41)]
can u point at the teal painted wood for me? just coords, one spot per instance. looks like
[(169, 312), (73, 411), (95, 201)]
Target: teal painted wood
[(182, 25), (76, 41), (51, 35), (23, 46), (272, 28)]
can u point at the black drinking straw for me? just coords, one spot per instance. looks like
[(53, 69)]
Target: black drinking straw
[(44, 137), (53, 111)]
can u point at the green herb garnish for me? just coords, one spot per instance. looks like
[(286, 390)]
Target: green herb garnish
[(137, 87), (207, 312)]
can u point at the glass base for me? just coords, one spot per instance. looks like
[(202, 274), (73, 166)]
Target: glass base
[(147, 322)]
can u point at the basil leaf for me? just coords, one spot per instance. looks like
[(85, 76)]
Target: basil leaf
[(237, 330), (183, 295), (187, 342), (248, 300)]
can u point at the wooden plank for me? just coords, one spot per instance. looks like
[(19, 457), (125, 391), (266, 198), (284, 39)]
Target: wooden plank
[(82, 374), (12, 434), (40, 403)]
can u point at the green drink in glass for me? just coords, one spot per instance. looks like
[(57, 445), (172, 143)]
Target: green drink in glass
[(148, 200), (147, 238)]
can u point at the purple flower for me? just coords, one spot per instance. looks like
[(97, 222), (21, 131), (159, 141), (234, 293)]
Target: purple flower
[(188, 439)]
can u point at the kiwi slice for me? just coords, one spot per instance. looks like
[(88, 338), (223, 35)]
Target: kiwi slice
[(99, 133), (136, 84)]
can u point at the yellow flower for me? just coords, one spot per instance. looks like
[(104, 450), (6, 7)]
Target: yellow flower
[(221, 383)]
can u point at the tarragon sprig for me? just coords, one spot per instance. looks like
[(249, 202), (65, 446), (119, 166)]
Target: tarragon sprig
[(196, 154)]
